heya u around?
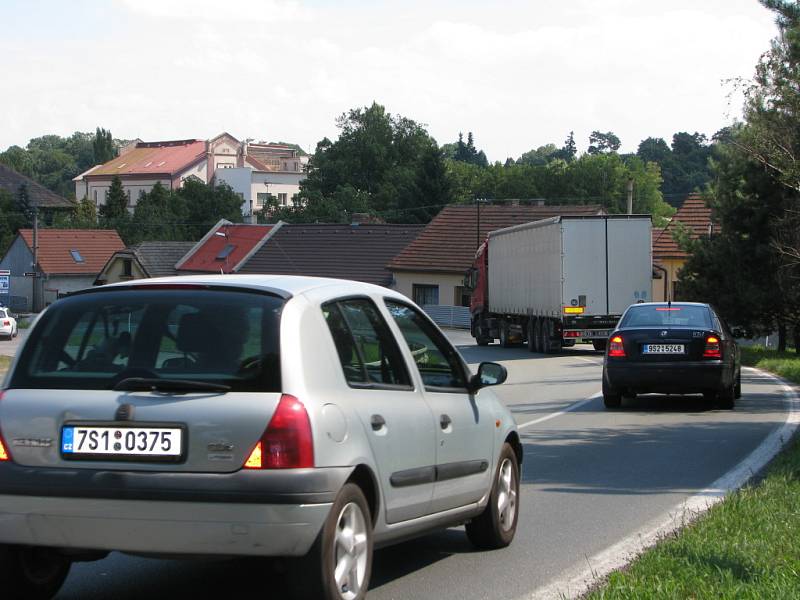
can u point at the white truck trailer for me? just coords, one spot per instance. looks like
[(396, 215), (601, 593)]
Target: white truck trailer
[(553, 282)]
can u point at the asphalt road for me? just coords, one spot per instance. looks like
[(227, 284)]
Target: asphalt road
[(10, 347), (590, 477)]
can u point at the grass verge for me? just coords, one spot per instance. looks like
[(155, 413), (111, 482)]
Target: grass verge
[(747, 546), (5, 362)]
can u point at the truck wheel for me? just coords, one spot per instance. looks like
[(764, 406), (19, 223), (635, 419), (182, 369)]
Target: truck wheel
[(505, 337), (545, 336), (531, 336), (30, 572), (599, 345)]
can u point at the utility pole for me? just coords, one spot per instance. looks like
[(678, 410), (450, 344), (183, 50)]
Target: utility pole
[(630, 196), (34, 294)]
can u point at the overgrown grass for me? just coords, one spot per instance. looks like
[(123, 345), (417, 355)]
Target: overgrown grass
[(748, 546), (5, 362), (785, 364)]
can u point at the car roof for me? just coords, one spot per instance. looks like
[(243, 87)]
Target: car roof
[(284, 286), (671, 303)]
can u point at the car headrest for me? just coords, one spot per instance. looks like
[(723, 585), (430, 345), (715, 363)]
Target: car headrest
[(195, 333)]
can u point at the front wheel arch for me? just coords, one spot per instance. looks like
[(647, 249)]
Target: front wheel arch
[(512, 439), (364, 478)]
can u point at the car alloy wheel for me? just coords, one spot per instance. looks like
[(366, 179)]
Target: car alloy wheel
[(351, 550), (496, 526), (507, 495)]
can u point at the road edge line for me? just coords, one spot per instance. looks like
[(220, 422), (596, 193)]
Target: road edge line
[(576, 582)]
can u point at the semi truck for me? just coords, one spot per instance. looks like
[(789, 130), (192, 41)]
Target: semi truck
[(554, 282)]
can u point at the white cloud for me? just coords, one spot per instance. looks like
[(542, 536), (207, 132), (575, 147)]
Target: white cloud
[(518, 74)]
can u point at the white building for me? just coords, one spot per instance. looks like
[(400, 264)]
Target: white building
[(253, 170)]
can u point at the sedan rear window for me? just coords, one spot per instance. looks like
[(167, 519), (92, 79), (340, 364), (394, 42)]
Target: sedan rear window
[(94, 341), (675, 315)]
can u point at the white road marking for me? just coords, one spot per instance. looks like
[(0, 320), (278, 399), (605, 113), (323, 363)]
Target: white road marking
[(560, 412), (575, 582)]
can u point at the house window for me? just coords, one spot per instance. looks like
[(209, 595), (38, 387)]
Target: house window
[(282, 198), (95, 196), (76, 256), (425, 294), (127, 270), (261, 199), (128, 192)]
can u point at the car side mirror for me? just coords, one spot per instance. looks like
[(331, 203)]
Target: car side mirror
[(489, 373)]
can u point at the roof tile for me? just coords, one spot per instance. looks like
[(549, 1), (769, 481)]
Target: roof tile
[(154, 158), (359, 252), (448, 243), (694, 214), (95, 247), (239, 239)]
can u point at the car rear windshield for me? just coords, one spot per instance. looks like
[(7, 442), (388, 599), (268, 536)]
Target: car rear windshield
[(675, 315), (94, 341)]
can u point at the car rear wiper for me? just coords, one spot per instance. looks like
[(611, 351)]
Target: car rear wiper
[(130, 384)]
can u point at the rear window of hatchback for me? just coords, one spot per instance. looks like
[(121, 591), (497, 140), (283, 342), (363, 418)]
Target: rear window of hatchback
[(675, 315), (94, 340)]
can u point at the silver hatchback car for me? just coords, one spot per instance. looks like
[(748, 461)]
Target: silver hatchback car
[(246, 416)]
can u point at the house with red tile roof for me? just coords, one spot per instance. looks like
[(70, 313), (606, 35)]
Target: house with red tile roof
[(695, 217), (67, 260), (253, 170), (430, 270), (141, 165), (224, 249)]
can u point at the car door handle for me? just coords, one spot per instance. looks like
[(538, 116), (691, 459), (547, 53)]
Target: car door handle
[(445, 421), (377, 422)]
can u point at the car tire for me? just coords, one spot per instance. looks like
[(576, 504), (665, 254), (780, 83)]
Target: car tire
[(346, 537), (611, 398), (599, 345), (496, 525), (31, 572), (737, 387), (726, 397)]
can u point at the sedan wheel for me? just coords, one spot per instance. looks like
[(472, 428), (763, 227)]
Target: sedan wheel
[(496, 525), (339, 564)]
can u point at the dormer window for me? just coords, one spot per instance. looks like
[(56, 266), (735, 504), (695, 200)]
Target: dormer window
[(76, 256), (225, 252)]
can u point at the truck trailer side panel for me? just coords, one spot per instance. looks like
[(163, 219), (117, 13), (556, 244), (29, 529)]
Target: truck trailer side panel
[(525, 269)]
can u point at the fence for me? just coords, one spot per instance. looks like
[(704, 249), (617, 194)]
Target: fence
[(449, 316)]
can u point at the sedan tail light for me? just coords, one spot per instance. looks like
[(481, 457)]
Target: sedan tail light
[(615, 347), (6, 323), (287, 442), (713, 348)]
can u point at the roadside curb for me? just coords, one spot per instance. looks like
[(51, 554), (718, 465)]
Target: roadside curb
[(576, 582)]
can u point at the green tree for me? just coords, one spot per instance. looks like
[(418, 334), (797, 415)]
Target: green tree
[(740, 269), (116, 205), (601, 143), (541, 156), (204, 205), (569, 151), (103, 146), (12, 219)]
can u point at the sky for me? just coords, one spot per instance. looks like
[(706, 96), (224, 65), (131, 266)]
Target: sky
[(518, 74)]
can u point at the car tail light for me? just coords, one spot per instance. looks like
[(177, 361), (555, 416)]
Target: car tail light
[(6, 323), (615, 347), (712, 349), (287, 442), (572, 334)]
